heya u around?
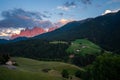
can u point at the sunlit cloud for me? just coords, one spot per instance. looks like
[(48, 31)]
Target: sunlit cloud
[(64, 21), (110, 11), (10, 31)]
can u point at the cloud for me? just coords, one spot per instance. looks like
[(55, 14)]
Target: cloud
[(37, 31), (64, 8), (62, 22), (67, 6), (9, 31), (110, 11), (18, 19), (15, 20), (70, 4), (47, 12), (61, 14), (20, 13), (86, 1), (21, 18), (73, 4)]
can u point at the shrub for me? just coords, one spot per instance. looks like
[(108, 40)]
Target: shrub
[(65, 73)]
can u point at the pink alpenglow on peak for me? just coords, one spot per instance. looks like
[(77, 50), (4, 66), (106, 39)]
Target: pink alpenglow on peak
[(32, 32)]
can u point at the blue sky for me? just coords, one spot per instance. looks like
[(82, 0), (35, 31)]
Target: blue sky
[(49, 12), (80, 11)]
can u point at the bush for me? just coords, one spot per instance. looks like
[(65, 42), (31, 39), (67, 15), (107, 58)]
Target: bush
[(65, 73), (16, 64), (78, 74), (4, 58)]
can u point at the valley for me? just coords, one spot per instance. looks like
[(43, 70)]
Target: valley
[(51, 45)]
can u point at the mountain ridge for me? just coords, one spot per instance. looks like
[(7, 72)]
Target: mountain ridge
[(102, 30)]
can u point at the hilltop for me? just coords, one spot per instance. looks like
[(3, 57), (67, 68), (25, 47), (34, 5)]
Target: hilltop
[(29, 69)]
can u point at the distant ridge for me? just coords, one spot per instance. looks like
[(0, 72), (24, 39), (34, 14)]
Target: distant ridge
[(103, 30)]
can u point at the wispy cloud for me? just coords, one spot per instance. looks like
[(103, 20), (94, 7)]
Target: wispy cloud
[(73, 4), (86, 1), (61, 14), (70, 4), (64, 8), (67, 6)]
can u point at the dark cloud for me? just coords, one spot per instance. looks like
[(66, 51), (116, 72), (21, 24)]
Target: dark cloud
[(20, 13), (47, 13), (44, 24), (21, 18), (61, 14), (86, 1), (18, 19), (75, 2), (46, 16), (69, 4)]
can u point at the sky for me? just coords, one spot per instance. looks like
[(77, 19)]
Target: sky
[(16, 15)]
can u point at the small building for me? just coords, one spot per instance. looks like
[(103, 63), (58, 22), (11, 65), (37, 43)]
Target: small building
[(83, 46), (9, 62), (78, 50), (71, 56)]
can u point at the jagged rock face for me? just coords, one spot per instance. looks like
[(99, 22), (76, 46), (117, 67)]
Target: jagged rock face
[(29, 32), (32, 32)]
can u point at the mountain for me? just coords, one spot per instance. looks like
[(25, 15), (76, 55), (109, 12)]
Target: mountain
[(3, 41), (103, 30), (29, 32), (18, 39), (33, 32)]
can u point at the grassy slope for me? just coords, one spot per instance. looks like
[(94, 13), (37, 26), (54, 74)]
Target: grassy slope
[(30, 69), (84, 47)]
